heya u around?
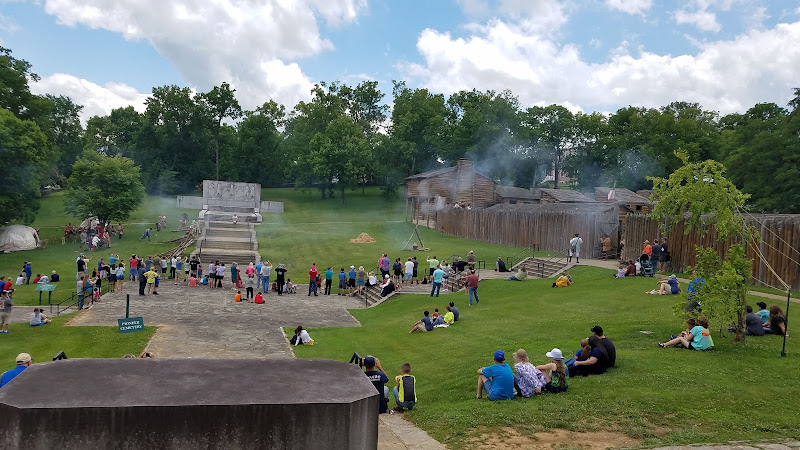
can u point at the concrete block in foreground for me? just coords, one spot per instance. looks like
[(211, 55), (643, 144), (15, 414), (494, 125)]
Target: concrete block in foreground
[(190, 404)]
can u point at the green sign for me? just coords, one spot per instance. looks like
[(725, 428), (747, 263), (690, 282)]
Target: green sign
[(131, 324), (46, 287)]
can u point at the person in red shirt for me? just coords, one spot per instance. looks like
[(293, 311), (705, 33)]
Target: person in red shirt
[(472, 286), (133, 264), (312, 280)]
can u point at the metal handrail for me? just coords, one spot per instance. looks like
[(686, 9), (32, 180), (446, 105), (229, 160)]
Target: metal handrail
[(510, 259)]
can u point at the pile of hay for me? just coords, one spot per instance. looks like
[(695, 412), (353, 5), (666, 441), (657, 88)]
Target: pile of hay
[(363, 238)]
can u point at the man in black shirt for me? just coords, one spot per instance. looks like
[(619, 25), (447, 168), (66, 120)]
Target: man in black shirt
[(597, 330)]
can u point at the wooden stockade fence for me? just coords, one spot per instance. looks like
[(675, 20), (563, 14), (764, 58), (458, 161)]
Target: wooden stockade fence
[(546, 227), (780, 240)]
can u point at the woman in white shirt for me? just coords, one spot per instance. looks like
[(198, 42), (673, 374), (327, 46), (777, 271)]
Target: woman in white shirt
[(37, 318), (20, 279), (302, 337)]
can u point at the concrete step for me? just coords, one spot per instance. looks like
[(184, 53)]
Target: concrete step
[(242, 257), (227, 243), (232, 209), (214, 225), (222, 217), (228, 233)]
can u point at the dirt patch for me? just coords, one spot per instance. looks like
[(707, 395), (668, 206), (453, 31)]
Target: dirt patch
[(510, 438), (363, 238)]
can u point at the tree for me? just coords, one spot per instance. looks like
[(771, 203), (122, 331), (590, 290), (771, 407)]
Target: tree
[(88, 188), (66, 131), (698, 193), (340, 153), (221, 104), (553, 129), (261, 140), (24, 149), (418, 129)]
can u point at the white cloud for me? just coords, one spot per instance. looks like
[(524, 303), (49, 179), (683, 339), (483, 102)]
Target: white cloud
[(728, 76), (702, 19), (535, 15), (633, 7), (96, 100), (8, 25), (252, 45)]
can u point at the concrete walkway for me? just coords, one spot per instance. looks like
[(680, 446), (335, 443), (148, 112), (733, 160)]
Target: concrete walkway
[(739, 445)]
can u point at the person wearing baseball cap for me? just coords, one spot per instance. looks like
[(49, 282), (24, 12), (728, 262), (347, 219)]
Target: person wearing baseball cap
[(497, 380), (597, 330), (23, 361), (555, 372), (378, 378)]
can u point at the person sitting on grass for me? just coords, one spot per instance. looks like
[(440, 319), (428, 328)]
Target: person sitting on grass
[(563, 281), (555, 372), (596, 363), (38, 318), (631, 270), (667, 287), (695, 337), (455, 311), (521, 275), (620, 272), (379, 379), (777, 321), (497, 380), (55, 277), (529, 379), (301, 337), (449, 316), (754, 326), (405, 388), (763, 312), (424, 324)]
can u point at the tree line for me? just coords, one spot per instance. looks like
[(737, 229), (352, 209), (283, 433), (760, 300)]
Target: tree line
[(346, 137)]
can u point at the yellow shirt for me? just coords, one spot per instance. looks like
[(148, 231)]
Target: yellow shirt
[(151, 276), (449, 318), (562, 281)]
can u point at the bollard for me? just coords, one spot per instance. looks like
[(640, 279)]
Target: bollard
[(127, 306)]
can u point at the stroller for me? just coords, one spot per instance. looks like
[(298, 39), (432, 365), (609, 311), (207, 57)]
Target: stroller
[(647, 267)]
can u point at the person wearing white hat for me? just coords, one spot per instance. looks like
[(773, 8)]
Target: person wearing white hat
[(555, 372), (23, 362)]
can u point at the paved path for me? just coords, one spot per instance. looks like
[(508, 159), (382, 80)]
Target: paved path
[(201, 322)]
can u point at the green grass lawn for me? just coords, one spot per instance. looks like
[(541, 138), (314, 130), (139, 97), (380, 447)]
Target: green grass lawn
[(314, 230), (61, 258), (77, 342), (663, 396)]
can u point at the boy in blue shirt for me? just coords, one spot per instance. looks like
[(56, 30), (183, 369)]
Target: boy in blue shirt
[(351, 281), (328, 281), (438, 276), (342, 282), (497, 380)]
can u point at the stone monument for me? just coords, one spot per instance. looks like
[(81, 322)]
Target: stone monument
[(190, 404), (223, 199)]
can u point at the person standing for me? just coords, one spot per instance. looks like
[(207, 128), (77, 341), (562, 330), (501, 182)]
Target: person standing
[(265, 273), (220, 274), (312, 280), (351, 280), (384, 263), (655, 251), (414, 276), (120, 229), (134, 269), (142, 279), (438, 276), (605, 242), (329, 281), (234, 275), (472, 286), (433, 264), (409, 271), (164, 267), (28, 270), (5, 311), (280, 280), (663, 255), (575, 248), (249, 284)]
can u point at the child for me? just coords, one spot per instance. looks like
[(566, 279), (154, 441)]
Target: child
[(238, 297), (529, 379), (155, 284), (435, 314), (259, 298), (342, 282), (620, 272), (405, 388), (192, 281)]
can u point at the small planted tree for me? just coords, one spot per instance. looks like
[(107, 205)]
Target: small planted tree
[(106, 187), (699, 194)]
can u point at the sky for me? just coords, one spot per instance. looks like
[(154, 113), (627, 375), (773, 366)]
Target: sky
[(588, 55)]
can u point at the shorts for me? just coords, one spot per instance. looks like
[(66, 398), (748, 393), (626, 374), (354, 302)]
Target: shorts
[(487, 386), (414, 274), (351, 282), (5, 318), (398, 273), (360, 282), (408, 276), (433, 269), (39, 324), (120, 277), (662, 258), (342, 284), (421, 327), (690, 347), (163, 270)]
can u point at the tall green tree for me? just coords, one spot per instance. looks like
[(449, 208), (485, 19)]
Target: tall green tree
[(27, 157), (553, 129), (340, 154), (66, 131), (417, 131), (220, 102), (261, 145), (88, 188)]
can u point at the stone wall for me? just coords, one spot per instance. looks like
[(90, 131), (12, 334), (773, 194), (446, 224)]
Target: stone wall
[(190, 202), (191, 404), (227, 193)]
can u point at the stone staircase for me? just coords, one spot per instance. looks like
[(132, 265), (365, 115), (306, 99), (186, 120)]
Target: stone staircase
[(227, 243), (541, 268)]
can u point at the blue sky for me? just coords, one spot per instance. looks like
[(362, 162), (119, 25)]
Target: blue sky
[(591, 55)]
